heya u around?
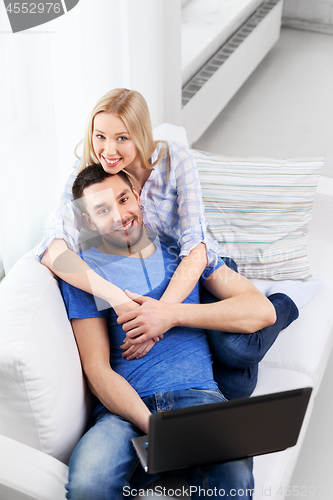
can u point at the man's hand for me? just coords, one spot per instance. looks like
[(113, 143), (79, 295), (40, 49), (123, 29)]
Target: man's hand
[(136, 351), (150, 320)]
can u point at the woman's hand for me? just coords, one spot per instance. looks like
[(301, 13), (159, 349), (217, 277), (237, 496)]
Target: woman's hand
[(125, 307), (137, 351), (150, 320)]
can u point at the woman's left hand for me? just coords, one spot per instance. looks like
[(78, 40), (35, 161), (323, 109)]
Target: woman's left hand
[(136, 351), (150, 320)]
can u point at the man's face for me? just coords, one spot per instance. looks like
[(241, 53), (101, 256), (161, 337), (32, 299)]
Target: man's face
[(113, 209)]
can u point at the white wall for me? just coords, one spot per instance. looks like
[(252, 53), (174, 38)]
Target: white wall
[(53, 76), (1, 269), (154, 39)]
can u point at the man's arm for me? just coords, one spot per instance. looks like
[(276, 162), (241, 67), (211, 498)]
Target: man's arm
[(241, 309), (111, 389)]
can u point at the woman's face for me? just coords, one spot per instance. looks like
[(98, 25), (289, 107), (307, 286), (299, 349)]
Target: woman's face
[(112, 143)]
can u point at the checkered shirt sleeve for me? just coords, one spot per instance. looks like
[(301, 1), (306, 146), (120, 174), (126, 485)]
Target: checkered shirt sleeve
[(172, 200), (65, 222)]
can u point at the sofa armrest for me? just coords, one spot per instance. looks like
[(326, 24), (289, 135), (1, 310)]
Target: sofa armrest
[(29, 474)]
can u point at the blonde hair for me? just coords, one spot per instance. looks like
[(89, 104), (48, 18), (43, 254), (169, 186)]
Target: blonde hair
[(131, 107)]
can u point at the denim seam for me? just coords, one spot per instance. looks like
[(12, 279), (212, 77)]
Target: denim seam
[(219, 395), (171, 401)]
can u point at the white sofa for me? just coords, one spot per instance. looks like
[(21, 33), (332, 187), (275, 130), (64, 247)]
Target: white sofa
[(44, 403)]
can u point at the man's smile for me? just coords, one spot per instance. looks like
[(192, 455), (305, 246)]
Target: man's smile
[(125, 227)]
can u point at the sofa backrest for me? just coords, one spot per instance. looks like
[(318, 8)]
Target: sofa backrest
[(44, 402)]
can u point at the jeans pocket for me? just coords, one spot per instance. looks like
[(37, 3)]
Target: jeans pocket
[(215, 393)]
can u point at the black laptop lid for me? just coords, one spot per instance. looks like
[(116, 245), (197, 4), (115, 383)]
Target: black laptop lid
[(225, 431)]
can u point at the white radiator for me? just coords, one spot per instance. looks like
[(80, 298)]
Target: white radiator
[(213, 86)]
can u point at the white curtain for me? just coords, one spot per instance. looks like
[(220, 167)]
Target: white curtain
[(51, 77)]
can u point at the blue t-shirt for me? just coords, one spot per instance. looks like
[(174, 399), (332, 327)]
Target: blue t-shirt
[(182, 359)]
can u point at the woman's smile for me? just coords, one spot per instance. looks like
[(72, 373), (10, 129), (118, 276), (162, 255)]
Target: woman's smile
[(112, 143), (111, 162)]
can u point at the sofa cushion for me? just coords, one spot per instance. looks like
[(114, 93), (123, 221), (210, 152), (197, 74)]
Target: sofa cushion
[(273, 472), (26, 473), (168, 132), (275, 379), (259, 209), (305, 346), (43, 398)]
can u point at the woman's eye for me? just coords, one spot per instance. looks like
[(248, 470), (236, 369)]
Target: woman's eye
[(123, 200), (99, 136), (121, 139)]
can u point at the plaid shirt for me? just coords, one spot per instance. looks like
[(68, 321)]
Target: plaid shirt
[(171, 201)]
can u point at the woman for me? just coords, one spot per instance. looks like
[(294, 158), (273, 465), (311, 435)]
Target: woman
[(119, 137)]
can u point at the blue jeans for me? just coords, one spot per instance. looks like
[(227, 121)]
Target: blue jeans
[(104, 465), (236, 356)]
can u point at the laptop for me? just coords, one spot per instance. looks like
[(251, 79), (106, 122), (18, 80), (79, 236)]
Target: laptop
[(220, 432)]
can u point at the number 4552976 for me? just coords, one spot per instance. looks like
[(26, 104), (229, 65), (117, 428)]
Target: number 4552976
[(33, 8), (303, 491)]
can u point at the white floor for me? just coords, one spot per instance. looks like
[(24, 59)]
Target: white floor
[(285, 109)]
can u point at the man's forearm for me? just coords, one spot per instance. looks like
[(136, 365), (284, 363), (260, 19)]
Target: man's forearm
[(241, 308), (244, 313), (110, 388), (118, 395)]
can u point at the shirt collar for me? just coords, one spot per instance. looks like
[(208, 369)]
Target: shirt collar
[(155, 154)]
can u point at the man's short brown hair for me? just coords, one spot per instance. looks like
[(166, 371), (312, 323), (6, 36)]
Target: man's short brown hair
[(93, 175)]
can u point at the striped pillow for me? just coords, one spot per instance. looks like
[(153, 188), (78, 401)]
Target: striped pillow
[(260, 209)]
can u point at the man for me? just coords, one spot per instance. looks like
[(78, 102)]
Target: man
[(175, 372)]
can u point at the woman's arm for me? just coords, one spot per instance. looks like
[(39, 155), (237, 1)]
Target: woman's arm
[(184, 193), (69, 266), (186, 275), (184, 183), (63, 232), (66, 221)]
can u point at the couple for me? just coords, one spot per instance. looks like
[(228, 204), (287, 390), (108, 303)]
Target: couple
[(175, 373), (151, 373)]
